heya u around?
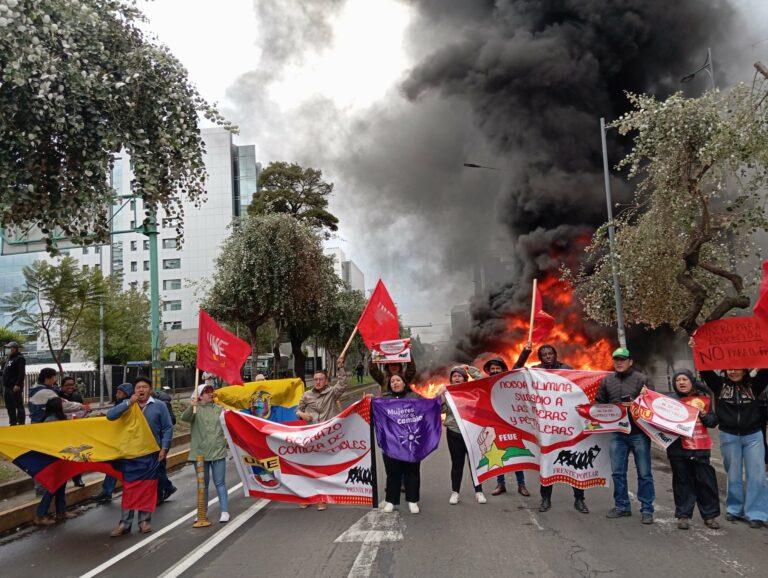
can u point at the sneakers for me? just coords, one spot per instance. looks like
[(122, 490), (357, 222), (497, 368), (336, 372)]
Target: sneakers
[(413, 507), (454, 499), (755, 524), (646, 519), (712, 524), (389, 507), (523, 491), (732, 518), (224, 518), (580, 506), (498, 490), (144, 527), (43, 521), (616, 513), (545, 505), (480, 498), (682, 524)]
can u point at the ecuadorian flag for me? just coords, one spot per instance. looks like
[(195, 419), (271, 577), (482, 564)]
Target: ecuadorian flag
[(274, 399), (53, 452)]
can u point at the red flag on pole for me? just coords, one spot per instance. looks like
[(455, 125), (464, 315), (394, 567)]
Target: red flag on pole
[(379, 319), (761, 307), (219, 352), (542, 321)]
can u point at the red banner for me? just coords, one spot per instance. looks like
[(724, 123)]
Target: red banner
[(219, 352), (665, 413), (542, 321), (378, 321), (733, 343), (700, 439)]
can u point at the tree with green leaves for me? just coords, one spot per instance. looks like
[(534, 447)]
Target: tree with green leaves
[(53, 302), (272, 267), (338, 323), (80, 82), (702, 166), (127, 335), (7, 334), (186, 353), (296, 191)]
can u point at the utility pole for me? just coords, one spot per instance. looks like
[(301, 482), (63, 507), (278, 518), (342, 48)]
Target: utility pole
[(149, 228)]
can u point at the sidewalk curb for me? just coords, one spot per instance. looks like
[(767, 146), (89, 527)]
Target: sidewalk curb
[(25, 513)]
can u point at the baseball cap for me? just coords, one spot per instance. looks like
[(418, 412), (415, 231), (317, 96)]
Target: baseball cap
[(622, 353), (12, 344)]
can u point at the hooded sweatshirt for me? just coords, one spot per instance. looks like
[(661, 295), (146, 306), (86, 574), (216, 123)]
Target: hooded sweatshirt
[(708, 419), (737, 407)]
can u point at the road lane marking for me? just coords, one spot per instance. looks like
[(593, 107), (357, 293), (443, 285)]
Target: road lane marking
[(371, 530), (153, 536), (183, 565)]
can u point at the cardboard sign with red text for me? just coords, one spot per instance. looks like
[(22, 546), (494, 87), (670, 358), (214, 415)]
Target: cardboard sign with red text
[(394, 351), (665, 413), (733, 343), (700, 439), (604, 418)]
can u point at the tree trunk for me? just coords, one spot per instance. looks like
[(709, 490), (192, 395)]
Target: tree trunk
[(299, 359)]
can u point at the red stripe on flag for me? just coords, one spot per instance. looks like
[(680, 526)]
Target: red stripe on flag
[(140, 495)]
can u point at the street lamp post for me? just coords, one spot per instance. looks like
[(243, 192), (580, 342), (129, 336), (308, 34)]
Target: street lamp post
[(612, 242)]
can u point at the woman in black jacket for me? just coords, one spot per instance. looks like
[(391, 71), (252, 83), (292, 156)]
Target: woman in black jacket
[(741, 442), (693, 478)]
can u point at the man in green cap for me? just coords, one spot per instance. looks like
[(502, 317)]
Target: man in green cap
[(621, 387)]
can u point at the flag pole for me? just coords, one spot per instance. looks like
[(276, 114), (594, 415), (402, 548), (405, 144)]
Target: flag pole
[(349, 342), (194, 393), (374, 477), (533, 312)]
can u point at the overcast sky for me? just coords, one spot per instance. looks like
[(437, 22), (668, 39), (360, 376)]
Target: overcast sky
[(240, 53)]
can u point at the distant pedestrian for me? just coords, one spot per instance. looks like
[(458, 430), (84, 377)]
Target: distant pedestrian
[(43, 391), (319, 403), (494, 366), (621, 387), (399, 471), (693, 477), (14, 373), (159, 422), (547, 355), (123, 392), (359, 370), (740, 417), (207, 440), (54, 411), (67, 391), (456, 446)]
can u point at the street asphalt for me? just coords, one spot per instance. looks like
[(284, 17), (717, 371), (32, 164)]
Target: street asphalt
[(505, 537)]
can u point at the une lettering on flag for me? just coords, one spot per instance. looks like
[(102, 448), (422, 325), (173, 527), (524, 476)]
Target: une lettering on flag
[(378, 322), (219, 351)]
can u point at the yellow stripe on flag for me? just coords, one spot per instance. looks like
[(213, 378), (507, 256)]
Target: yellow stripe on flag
[(284, 392)]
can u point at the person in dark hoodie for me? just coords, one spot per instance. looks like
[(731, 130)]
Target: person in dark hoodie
[(547, 355), (693, 477), (399, 471), (621, 387), (494, 366), (741, 442), (381, 372)]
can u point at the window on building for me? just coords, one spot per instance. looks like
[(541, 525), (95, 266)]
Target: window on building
[(85, 268), (171, 284), (171, 263), (134, 284), (132, 204), (97, 267), (97, 249), (134, 245), (171, 325), (170, 223), (172, 305), (146, 265), (169, 244), (134, 266), (146, 244), (85, 250), (133, 224)]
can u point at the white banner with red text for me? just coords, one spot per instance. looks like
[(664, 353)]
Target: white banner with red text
[(527, 419)]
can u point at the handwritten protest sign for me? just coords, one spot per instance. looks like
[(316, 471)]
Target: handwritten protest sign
[(733, 343)]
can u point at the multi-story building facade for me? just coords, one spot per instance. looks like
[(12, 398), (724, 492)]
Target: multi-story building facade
[(346, 270)]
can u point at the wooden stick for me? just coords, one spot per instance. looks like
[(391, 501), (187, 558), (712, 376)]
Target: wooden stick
[(194, 394), (533, 312), (349, 342)]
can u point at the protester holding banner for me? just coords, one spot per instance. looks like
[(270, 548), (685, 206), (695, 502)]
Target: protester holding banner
[(494, 366), (622, 386), (398, 470), (456, 446), (382, 375), (741, 442), (207, 440)]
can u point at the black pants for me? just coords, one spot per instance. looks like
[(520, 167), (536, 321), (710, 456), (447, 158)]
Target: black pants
[(546, 492), (694, 482), (164, 485), (397, 471), (458, 451), (14, 403)]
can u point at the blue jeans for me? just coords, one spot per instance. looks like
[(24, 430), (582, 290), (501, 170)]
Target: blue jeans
[(108, 485), (518, 474), (745, 454), (639, 445), (219, 469), (45, 502)]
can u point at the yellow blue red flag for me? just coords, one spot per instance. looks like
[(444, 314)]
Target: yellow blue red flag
[(273, 399)]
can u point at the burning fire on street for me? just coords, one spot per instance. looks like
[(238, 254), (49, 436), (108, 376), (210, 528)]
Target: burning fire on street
[(574, 345)]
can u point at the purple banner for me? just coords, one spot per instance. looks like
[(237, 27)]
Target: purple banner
[(407, 429)]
